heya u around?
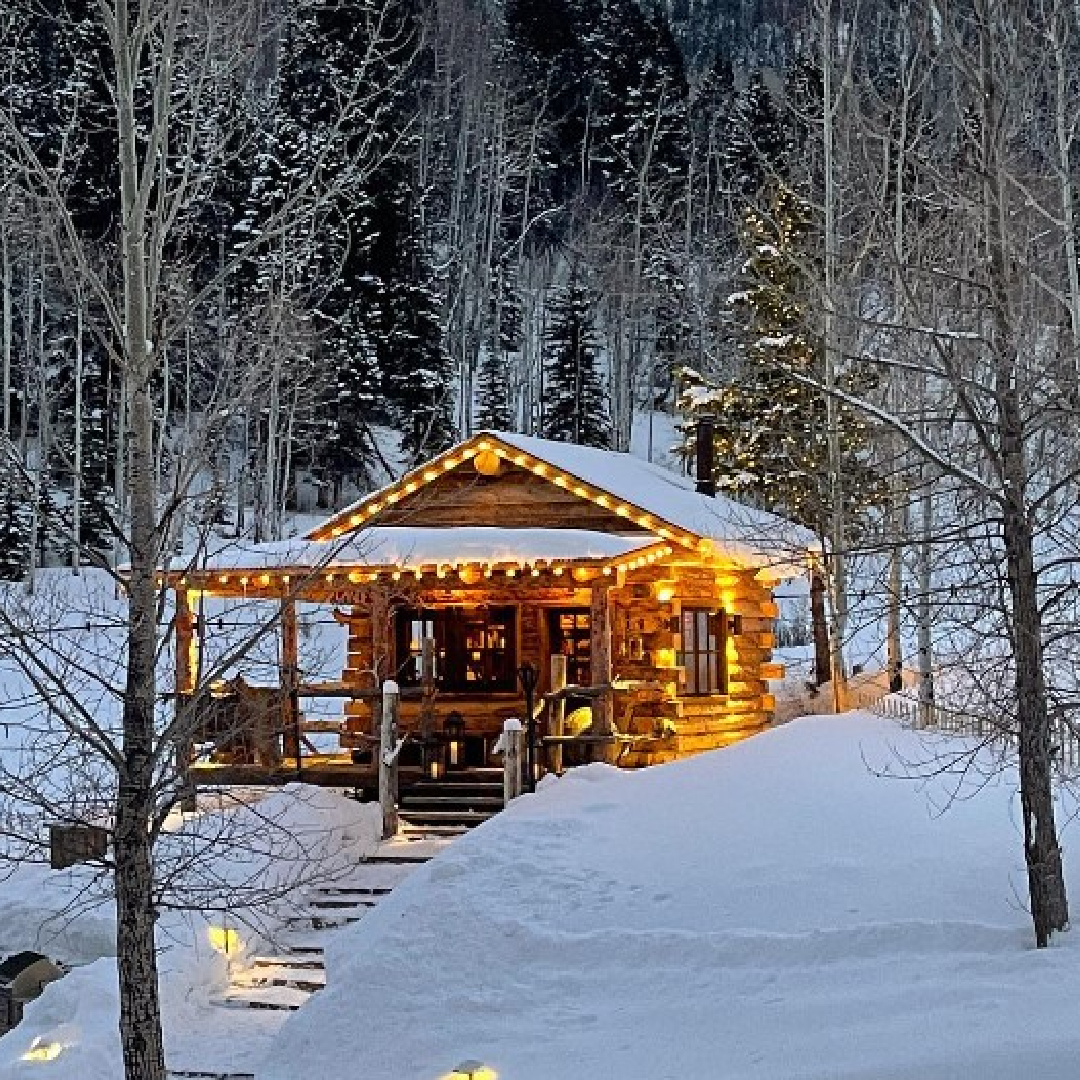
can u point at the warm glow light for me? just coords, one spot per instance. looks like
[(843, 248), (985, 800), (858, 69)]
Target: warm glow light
[(560, 481), (329, 577), (469, 575), (511, 572), (374, 508), (418, 573), (356, 519), (354, 577), (558, 571), (430, 475), (50, 1051), (622, 510), (449, 463), (392, 498), (603, 500), (223, 939), (396, 575), (285, 579), (472, 1070), (665, 658), (535, 572), (224, 579), (665, 592), (264, 579), (607, 571), (580, 491), (487, 463)]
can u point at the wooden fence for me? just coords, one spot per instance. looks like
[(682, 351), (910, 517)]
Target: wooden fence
[(933, 717)]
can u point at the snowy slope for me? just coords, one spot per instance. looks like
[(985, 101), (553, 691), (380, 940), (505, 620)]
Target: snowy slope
[(772, 910)]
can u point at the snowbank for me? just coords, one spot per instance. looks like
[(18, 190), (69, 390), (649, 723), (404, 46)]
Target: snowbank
[(268, 848), (772, 910)]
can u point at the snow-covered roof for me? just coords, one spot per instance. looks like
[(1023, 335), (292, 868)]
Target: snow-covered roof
[(669, 496), (664, 501), (412, 547)]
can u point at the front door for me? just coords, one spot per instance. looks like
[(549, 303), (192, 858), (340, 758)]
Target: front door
[(570, 633)]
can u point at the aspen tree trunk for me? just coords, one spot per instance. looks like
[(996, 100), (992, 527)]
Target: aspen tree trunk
[(1046, 882), (837, 561), (140, 1007), (924, 612), (5, 259)]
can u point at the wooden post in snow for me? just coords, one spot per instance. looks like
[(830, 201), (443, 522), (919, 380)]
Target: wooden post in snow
[(558, 711), (512, 739), (388, 755), (185, 629), (600, 673), (290, 680)]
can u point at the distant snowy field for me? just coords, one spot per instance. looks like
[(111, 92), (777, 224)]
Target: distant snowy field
[(772, 910)]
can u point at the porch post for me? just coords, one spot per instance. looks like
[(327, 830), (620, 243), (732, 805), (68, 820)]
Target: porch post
[(185, 636), (290, 680), (380, 633), (600, 670), (558, 710), (388, 755)]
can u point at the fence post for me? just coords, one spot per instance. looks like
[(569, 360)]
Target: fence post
[(558, 710), (388, 755), (512, 736)]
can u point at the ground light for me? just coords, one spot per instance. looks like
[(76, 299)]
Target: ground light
[(50, 1051), (472, 1070)]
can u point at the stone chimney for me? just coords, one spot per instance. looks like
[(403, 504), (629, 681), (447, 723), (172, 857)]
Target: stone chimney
[(705, 454)]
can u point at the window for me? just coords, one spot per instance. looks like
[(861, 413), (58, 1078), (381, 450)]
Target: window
[(571, 634), (704, 652), (474, 647)]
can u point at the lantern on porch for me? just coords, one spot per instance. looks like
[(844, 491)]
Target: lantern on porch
[(454, 728), (436, 763)]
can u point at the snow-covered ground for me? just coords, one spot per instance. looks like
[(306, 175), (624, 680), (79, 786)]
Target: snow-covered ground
[(776, 909)]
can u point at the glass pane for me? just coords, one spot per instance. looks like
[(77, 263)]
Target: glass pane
[(714, 671), (703, 673)]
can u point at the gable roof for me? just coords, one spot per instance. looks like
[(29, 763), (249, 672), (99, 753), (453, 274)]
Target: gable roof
[(663, 502)]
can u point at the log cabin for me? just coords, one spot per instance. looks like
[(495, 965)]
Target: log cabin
[(640, 600)]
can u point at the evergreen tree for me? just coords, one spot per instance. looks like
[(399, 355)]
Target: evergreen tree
[(493, 406), (757, 142), (772, 428), (493, 394), (16, 516), (576, 406)]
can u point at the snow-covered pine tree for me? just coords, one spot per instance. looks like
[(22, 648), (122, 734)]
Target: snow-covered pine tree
[(757, 141), (575, 400), (771, 428), (420, 374), (16, 515), (493, 400)]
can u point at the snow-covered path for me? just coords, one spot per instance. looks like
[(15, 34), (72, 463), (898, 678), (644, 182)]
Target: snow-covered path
[(773, 910), (232, 1039)]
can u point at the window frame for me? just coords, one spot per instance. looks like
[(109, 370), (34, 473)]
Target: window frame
[(690, 659), (450, 625)]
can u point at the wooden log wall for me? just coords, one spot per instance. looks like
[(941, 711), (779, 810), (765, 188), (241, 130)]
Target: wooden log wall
[(647, 641), (644, 608)]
